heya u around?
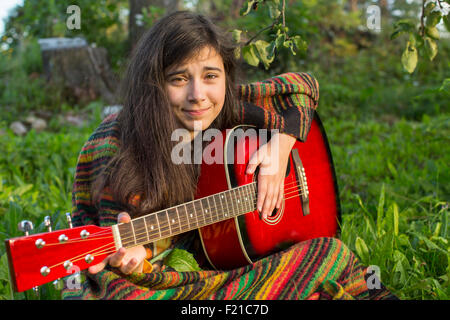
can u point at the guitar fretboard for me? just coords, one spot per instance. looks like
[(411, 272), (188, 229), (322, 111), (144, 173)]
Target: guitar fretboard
[(188, 216)]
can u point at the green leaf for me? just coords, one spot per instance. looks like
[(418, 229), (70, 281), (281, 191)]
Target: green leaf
[(273, 5), (271, 49), (410, 58), (432, 32), (445, 86), (361, 249), (433, 19), (262, 52), (446, 20), (281, 37), (181, 260), (392, 169), (429, 7), (380, 210), (246, 10), (236, 35), (431, 48), (249, 55), (401, 27), (23, 189), (395, 218), (299, 43)]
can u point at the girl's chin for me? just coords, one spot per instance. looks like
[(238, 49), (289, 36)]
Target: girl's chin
[(196, 125)]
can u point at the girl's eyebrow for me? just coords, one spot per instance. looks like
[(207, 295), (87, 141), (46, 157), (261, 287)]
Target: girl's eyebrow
[(181, 71)]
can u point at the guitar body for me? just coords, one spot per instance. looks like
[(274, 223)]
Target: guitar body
[(246, 238)]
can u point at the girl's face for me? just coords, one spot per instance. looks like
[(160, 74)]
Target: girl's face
[(196, 89)]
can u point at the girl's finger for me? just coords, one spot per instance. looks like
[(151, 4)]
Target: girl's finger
[(262, 190), (276, 192), (253, 163), (268, 201), (115, 260), (123, 217), (129, 267), (280, 194), (99, 267)]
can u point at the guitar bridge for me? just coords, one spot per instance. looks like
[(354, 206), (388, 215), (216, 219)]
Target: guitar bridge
[(304, 193)]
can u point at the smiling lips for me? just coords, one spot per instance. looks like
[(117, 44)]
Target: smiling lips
[(196, 113)]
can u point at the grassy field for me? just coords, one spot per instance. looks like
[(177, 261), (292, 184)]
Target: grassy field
[(393, 180)]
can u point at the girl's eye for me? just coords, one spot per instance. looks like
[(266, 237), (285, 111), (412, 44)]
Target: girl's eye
[(211, 76), (177, 80)]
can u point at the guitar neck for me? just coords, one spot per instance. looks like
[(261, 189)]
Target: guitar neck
[(186, 217)]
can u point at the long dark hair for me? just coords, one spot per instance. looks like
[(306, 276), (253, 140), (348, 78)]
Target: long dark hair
[(142, 166)]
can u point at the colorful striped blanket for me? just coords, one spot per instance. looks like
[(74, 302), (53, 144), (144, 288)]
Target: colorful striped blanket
[(322, 268)]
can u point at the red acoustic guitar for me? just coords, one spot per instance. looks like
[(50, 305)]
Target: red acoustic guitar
[(224, 212)]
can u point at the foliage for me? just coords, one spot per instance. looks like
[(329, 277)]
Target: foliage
[(103, 23), (36, 175), (424, 37), (395, 199)]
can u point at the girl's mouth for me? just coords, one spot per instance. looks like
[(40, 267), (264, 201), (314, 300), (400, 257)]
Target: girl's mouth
[(197, 112)]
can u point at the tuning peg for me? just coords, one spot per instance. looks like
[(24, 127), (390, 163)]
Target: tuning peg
[(48, 223), (25, 226), (69, 219)]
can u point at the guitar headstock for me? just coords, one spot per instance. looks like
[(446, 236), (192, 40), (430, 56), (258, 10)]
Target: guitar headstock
[(44, 257)]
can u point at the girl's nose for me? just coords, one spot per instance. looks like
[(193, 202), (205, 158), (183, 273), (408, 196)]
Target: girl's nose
[(196, 91)]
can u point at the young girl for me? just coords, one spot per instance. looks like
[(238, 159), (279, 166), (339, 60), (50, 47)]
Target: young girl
[(182, 76)]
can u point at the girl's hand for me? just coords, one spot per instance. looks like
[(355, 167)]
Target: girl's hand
[(127, 260), (272, 158)]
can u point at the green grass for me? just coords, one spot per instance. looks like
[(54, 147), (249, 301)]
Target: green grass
[(394, 194), (36, 176)]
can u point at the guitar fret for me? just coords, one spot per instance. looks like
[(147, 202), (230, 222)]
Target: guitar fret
[(202, 213), (213, 219), (140, 234), (219, 208), (168, 223), (194, 210), (226, 209), (216, 212), (240, 201), (179, 219), (244, 198), (146, 229), (159, 225), (132, 230), (164, 227), (230, 197), (229, 203), (126, 234), (206, 211), (194, 213), (174, 222), (249, 198), (190, 217), (152, 227), (253, 195)]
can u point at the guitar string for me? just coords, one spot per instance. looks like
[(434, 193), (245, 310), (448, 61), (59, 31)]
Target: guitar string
[(163, 228), (193, 203), (181, 222), (97, 252)]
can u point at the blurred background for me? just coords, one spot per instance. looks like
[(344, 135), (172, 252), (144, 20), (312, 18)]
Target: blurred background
[(384, 100)]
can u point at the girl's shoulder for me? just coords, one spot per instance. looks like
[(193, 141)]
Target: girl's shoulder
[(104, 141)]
